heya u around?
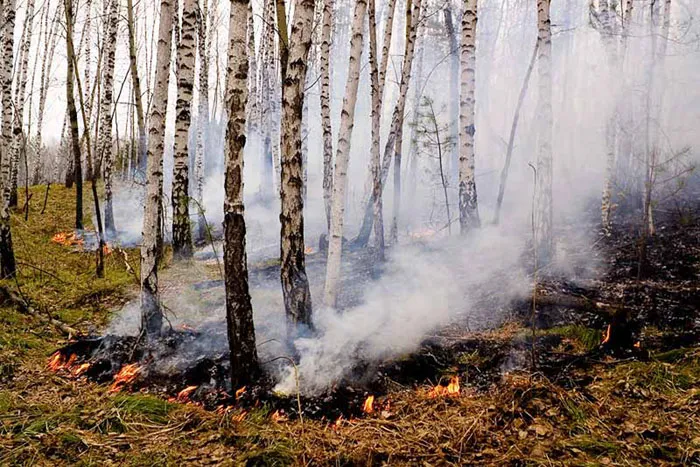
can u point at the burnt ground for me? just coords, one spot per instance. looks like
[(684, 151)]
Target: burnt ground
[(632, 401), (571, 321)]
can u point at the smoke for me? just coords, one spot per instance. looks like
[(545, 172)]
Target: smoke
[(424, 288)]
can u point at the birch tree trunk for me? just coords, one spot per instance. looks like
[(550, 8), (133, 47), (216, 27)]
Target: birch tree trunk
[(202, 118), (326, 27), (468, 206), (267, 78), (252, 104), (7, 255), (151, 313), (347, 120), (544, 243), (295, 284), (376, 116), (454, 86), (18, 128), (105, 115), (239, 310), (73, 116), (182, 233), (136, 83), (412, 17), (50, 46)]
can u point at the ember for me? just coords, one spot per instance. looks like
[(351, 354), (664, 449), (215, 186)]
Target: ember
[(368, 407), (451, 389), (126, 376)]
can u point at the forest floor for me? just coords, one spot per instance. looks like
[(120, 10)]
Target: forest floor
[(636, 408)]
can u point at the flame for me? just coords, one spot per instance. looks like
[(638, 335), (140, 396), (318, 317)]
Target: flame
[(186, 327), (126, 376), (59, 362), (637, 345), (106, 250), (452, 389), (368, 407), (67, 239), (278, 416), (606, 336), (184, 395), (240, 392), (309, 250), (81, 369), (240, 416)]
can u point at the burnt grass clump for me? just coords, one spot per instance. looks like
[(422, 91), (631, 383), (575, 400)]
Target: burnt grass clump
[(577, 323)]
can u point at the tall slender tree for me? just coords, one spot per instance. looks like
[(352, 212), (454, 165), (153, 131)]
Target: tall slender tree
[(347, 121), (105, 115), (73, 115), (136, 84), (325, 77), (182, 232), (239, 310), (202, 114), (151, 312), (7, 255), (468, 207), (295, 283), (544, 242)]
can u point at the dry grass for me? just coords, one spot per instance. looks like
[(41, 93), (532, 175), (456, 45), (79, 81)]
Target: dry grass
[(629, 413)]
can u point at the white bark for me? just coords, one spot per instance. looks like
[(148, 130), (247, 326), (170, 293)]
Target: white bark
[(544, 242), (347, 120), (151, 314), (468, 207), (182, 234)]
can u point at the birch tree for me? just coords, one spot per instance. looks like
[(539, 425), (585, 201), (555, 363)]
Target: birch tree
[(347, 121), (18, 136), (468, 207), (202, 114), (7, 255), (295, 283), (325, 77), (105, 115), (544, 243), (239, 310), (182, 233), (151, 313), (44, 81), (73, 116), (136, 84)]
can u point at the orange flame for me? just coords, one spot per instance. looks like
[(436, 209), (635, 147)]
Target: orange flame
[(309, 250), (58, 362), (67, 239), (637, 345), (425, 233), (452, 389), (278, 416), (369, 405), (184, 395), (606, 336), (240, 392), (81, 369), (126, 376)]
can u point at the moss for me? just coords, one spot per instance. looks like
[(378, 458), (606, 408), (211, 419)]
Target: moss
[(594, 445)]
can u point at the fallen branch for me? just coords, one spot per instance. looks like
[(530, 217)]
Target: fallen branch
[(7, 295)]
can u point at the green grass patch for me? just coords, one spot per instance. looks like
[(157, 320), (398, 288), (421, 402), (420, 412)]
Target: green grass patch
[(588, 338), (151, 408)]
